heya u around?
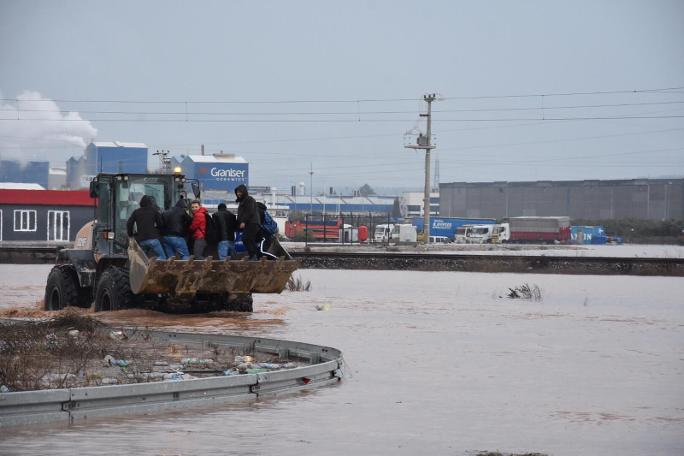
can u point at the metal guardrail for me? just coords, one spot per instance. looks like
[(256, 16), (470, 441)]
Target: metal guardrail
[(74, 405)]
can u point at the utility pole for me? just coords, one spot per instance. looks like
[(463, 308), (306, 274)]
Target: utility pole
[(435, 176), (311, 189), (164, 160), (424, 142)]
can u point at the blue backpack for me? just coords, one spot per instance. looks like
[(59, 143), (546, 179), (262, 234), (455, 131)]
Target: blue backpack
[(269, 225)]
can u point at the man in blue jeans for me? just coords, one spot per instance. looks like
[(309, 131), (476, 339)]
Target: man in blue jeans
[(226, 225), (147, 222), (176, 223)]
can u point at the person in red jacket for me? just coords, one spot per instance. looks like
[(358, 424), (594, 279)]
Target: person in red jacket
[(198, 229)]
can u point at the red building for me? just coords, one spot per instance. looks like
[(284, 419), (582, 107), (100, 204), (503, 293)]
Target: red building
[(43, 215)]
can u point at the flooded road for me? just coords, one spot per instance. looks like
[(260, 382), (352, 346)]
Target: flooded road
[(438, 363)]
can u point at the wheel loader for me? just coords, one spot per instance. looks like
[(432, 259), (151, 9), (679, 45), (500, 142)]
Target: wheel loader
[(108, 270)]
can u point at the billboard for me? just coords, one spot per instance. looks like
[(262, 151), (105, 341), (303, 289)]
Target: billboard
[(220, 176)]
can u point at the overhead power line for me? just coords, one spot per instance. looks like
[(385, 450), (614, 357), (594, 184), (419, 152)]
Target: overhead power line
[(566, 94), (359, 100), (334, 113), (358, 120)]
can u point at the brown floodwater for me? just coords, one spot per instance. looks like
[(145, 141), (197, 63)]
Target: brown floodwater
[(437, 363)]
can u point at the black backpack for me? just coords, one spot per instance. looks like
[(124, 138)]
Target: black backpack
[(211, 233)]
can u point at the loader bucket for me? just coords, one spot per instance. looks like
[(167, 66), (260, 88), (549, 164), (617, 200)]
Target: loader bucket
[(188, 277)]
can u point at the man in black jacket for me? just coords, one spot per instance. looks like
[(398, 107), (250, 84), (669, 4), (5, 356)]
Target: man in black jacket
[(248, 218), (176, 222), (147, 221), (226, 225)]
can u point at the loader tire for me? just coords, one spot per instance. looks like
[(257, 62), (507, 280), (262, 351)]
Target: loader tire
[(113, 290), (62, 288)]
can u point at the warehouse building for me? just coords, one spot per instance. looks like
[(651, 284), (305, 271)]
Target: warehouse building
[(646, 199), (57, 179), (411, 204), (106, 157), (333, 204), (32, 172)]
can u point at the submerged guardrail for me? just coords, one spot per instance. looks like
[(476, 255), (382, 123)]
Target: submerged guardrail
[(73, 405)]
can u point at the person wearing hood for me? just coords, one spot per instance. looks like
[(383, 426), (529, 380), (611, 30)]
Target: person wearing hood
[(198, 229), (226, 225), (248, 219), (176, 222), (144, 225)]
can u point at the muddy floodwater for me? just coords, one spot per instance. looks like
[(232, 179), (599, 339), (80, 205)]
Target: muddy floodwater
[(438, 363)]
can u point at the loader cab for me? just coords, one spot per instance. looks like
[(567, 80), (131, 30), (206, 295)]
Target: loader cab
[(119, 195)]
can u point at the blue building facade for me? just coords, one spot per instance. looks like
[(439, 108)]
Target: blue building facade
[(220, 172), (106, 157), (33, 172)]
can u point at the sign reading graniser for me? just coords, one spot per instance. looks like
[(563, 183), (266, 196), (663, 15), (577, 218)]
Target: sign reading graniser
[(222, 176)]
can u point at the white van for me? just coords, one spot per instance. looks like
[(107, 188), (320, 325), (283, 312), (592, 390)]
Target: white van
[(382, 232), (440, 240)]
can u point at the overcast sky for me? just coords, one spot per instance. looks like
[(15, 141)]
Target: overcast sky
[(171, 74)]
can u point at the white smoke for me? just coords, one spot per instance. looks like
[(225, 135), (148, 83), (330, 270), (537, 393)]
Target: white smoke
[(32, 127)]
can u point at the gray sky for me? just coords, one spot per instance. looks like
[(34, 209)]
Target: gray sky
[(325, 56)]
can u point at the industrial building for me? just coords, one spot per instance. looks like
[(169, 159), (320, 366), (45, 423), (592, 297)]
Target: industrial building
[(43, 215), (646, 199), (106, 157), (411, 204), (57, 179), (337, 204), (32, 172)]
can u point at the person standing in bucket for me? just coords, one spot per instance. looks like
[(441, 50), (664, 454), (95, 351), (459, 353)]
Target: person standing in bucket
[(226, 225), (176, 222), (147, 221), (198, 229), (248, 218)]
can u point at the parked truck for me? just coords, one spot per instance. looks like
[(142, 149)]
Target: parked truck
[(383, 232), (594, 234), (482, 234), (447, 226), (404, 233), (527, 229), (110, 271)]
